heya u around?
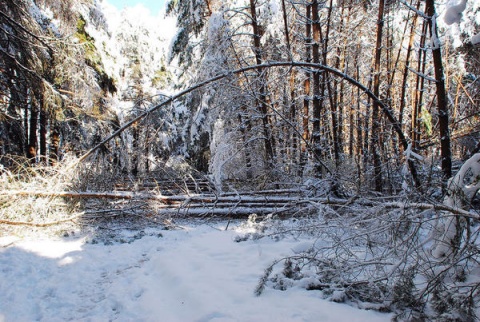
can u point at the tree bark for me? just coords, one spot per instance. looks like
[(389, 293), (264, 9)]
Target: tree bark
[(262, 100), (306, 89), (246, 127), (317, 100), (403, 93), (32, 136), (442, 104), (293, 145), (420, 88), (332, 93), (43, 135), (375, 147), (285, 26), (54, 146), (135, 148)]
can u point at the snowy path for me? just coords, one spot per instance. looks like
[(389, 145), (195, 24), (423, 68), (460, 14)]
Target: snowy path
[(199, 274)]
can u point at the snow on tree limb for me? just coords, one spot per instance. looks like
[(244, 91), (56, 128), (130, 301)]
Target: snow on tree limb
[(454, 13), (475, 39)]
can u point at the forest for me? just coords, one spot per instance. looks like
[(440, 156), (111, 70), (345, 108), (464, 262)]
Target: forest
[(360, 119)]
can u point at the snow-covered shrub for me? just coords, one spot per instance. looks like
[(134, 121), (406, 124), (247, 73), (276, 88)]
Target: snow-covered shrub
[(453, 304), (253, 229), (406, 296)]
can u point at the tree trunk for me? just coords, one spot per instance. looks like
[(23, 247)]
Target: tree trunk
[(292, 106), (317, 101), (293, 117), (343, 67), (420, 88), (43, 135), (375, 146), (403, 93), (285, 26), (15, 136), (262, 100), (306, 90), (25, 120), (445, 150), (54, 146), (332, 94), (135, 148), (32, 136), (245, 127)]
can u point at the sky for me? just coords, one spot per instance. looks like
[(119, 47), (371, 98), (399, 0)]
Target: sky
[(154, 5)]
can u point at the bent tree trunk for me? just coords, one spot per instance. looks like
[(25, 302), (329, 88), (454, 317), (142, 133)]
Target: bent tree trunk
[(384, 108), (460, 191)]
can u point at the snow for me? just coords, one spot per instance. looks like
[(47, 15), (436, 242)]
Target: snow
[(436, 44), (45, 18), (198, 273), (129, 37), (410, 155), (475, 39), (453, 14), (460, 20)]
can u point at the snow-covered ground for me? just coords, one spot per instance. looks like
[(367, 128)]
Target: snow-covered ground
[(199, 273)]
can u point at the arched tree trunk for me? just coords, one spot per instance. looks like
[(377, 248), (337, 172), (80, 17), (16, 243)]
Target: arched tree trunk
[(384, 108)]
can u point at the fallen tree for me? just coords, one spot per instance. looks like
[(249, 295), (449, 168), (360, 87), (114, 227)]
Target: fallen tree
[(240, 205)]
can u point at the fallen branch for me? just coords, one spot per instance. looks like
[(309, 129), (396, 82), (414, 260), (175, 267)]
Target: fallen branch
[(238, 211), (207, 198), (47, 224), (68, 194)]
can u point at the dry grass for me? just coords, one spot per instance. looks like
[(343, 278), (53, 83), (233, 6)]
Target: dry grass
[(21, 214), (33, 201)]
